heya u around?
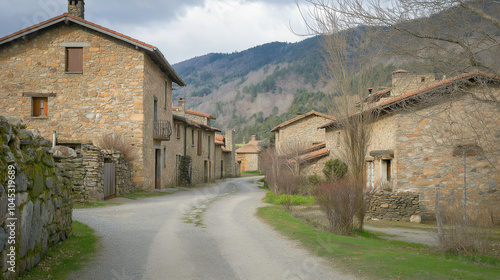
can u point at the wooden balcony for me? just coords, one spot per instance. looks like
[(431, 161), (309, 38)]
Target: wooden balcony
[(162, 129)]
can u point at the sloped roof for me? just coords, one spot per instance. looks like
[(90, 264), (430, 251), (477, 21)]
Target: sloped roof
[(193, 123), (153, 52), (252, 147), (300, 117), (175, 108), (438, 85), (219, 139)]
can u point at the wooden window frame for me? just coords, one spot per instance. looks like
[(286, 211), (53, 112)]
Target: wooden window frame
[(74, 60), (200, 142), (38, 105)]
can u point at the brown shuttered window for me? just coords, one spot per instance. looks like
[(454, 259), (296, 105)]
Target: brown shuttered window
[(40, 107), (74, 60), (199, 141)]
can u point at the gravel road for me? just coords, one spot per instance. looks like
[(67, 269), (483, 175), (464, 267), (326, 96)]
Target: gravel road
[(202, 233)]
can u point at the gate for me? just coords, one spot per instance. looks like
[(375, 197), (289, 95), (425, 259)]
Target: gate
[(109, 179)]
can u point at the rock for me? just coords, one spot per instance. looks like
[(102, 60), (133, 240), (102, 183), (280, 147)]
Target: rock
[(26, 218), (63, 152), (415, 219), (25, 134), (385, 205), (21, 182), (15, 121)]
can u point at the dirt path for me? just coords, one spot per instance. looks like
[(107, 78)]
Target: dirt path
[(205, 233)]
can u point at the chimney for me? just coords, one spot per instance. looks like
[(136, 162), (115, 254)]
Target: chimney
[(181, 104), (253, 138), (76, 8), (230, 145)]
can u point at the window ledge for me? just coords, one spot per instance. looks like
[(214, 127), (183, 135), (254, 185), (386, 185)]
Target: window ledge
[(73, 72), (39, 118)]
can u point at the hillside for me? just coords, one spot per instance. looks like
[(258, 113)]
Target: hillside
[(265, 85)]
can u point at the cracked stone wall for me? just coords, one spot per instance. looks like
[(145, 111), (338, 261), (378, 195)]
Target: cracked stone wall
[(42, 209)]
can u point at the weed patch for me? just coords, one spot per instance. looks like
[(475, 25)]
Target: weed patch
[(283, 199)]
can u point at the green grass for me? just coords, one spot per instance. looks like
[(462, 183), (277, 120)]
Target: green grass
[(369, 256), (135, 194), (67, 256), (273, 198), (251, 173), (95, 204)]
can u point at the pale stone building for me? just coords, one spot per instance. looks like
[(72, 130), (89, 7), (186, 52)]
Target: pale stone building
[(301, 134), (196, 152), (423, 129), (81, 80), (249, 156)]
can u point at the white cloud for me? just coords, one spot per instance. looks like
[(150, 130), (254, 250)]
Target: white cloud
[(221, 26)]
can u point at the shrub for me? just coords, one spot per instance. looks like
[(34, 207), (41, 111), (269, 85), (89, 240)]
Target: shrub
[(314, 179), (340, 201), (117, 143), (335, 169)]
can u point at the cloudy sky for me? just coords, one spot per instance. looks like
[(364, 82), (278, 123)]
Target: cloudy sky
[(181, 29)]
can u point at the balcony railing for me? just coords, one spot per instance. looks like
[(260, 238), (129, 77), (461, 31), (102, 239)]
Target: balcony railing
[(162, 129)]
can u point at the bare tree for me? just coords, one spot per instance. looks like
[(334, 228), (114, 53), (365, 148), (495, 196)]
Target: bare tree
[(447, 37)]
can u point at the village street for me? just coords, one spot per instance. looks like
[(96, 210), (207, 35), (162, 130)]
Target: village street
[(203, 233)]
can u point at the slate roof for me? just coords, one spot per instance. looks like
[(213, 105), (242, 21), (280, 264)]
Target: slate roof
[(300, 117), (153, 52)]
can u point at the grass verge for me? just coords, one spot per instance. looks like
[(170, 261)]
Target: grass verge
[(94, 204), (67, 256), (273, 198), (135, 194), (369, 256)]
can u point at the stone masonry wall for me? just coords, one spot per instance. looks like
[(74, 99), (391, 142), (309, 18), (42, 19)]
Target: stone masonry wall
[(42, 206), (303, 131), (391, 206), (113, 94)]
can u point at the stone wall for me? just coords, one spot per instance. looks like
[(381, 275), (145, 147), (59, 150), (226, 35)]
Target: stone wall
[(391, 206), (86, 167), (304, 131), (41, 215)]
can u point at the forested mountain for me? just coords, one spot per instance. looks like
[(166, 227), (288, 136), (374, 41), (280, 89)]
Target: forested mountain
[(254, 90)]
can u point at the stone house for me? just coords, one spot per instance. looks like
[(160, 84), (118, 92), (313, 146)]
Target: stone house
[(249, 156), (225, 155), (302, 133), (79, 80), (197, 152), (424, 130)]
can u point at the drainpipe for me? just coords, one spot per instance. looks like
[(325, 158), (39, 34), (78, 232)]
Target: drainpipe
[(53, 139), (185, 138)]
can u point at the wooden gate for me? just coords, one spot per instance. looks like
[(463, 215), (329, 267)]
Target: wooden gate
[(109, 179)]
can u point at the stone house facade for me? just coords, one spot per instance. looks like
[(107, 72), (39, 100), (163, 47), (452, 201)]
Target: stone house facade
[(421, 134), (302, 133), (198, 154), (79, 80), (249, 156), (225, 155)]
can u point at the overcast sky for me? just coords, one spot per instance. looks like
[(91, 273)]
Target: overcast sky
[(181, 29)]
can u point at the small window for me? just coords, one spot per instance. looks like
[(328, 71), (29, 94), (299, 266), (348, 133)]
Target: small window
[(40, 107), (422, 79), (166, 94), (199, 142), (192, 137), (178, 130), (386, 169), (74, 60), (164, 156)]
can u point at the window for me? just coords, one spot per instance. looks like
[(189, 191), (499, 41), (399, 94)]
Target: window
[(40, 107), (166, 94), (209, 147), (74, 60), (178, 131), (386, 170), (165, 156), (199, 142), (192, 137)]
